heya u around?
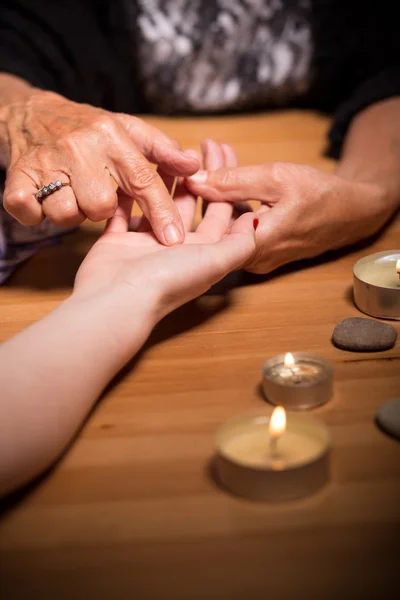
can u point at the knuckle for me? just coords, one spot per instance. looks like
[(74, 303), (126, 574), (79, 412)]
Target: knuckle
[(166, 155), (284, 173), (69, 143), (227, 178), (144, 177), (64, 214), (106, 204), (104, 207), (16, 199), (105, 125), (69, 209), (278, 171), (135, 127), (136, 121)]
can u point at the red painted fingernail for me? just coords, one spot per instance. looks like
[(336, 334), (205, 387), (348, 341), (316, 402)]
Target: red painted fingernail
[(255, 224)]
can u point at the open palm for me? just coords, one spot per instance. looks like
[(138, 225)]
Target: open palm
[(173, 274)]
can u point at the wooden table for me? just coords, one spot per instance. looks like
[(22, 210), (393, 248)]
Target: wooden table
[(133, 511)]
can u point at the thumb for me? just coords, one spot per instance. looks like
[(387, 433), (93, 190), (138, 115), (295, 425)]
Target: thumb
[(274, 238), (233, 251), (235, 184)]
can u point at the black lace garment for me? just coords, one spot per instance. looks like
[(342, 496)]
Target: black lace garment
[(220, 54), (198, 56)]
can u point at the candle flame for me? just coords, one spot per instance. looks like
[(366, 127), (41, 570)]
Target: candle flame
[(398, 266), (277, 424), (289, 361)]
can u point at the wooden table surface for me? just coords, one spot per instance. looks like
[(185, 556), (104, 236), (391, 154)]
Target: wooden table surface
[(133, 510)]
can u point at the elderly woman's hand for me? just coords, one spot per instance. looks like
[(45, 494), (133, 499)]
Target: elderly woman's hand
[(50, 138), (304, 211)]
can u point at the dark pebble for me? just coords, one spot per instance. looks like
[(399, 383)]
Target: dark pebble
[(388, 417), (364, 335)]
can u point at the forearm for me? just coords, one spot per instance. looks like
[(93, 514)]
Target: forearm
[(53, 372), (12, 91), (371, 152)]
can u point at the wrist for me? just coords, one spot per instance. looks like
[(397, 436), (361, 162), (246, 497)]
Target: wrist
[(383, 184), (371, 154), (13, 89), (116, 317), (14, 92)]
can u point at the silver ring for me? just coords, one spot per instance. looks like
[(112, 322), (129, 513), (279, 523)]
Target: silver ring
[(46, 190)]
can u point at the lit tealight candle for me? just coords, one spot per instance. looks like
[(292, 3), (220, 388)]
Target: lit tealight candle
[(277, 426), (281, 457), (297, 381), (376, 284)]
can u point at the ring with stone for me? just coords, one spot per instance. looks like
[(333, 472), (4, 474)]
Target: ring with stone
[(48, 189)]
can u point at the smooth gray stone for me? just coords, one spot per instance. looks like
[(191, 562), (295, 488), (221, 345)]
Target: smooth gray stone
[(388, 417), (364, 335)]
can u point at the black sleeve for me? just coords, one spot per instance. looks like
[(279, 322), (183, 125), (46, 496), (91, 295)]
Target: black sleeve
[(67, 46), (362, 39), (385, 84), (28, 46)]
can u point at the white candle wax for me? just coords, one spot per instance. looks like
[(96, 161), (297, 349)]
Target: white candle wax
[(253, 448), (380, 270), (247, 441), (296, 464)]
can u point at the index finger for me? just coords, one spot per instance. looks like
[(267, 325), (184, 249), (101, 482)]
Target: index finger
[(139, 180), (257, 182), (159, 148), (217, 216)]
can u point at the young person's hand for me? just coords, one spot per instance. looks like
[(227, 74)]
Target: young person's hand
[(136, 265), (124, 286)]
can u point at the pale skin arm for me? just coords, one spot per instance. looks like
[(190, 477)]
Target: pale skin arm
[(53, 372)]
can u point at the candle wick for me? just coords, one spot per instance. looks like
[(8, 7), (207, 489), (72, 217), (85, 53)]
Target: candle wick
[(274, 446), (295, 375)]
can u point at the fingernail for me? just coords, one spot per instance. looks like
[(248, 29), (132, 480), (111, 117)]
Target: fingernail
[(255, 224), (171, 235), (199, 177)]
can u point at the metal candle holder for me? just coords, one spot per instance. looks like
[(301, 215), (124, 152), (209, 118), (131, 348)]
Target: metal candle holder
[(298, 394), (376, 285)]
